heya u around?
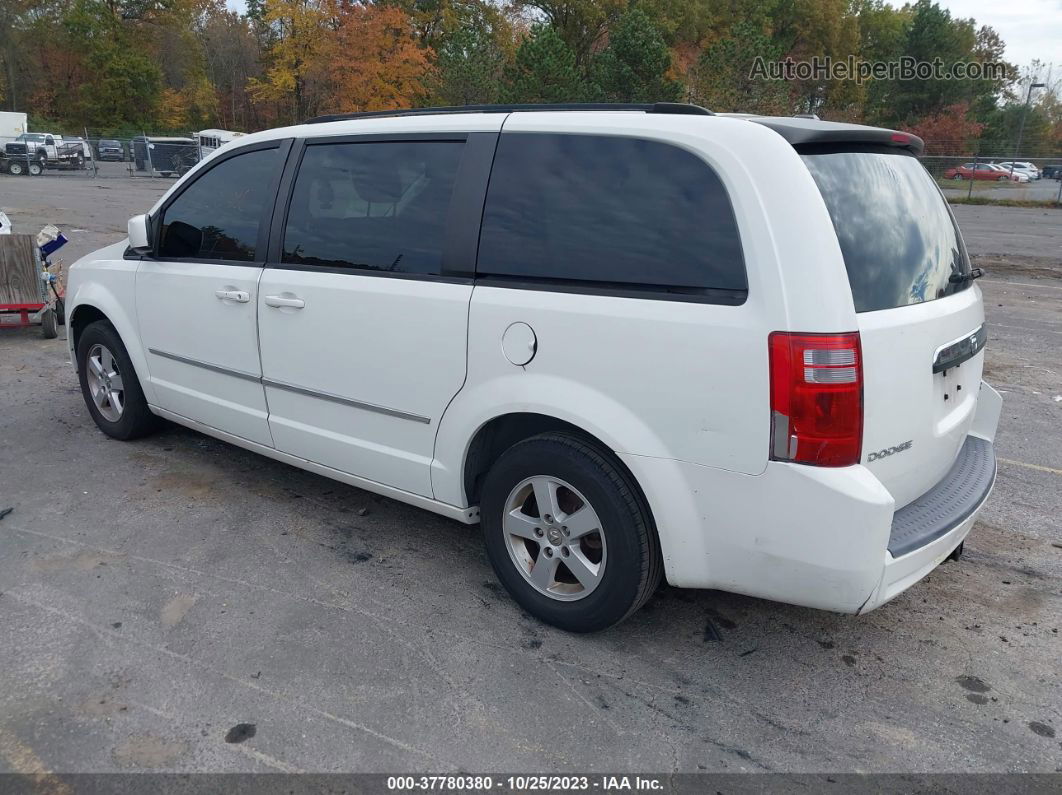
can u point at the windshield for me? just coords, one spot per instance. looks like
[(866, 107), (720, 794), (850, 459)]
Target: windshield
[(899, 240), (35, 137)]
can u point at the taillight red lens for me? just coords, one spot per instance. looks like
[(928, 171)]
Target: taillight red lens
[(816, 398)]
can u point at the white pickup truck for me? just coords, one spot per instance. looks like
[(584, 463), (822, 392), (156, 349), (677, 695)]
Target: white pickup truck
[(31, 153)]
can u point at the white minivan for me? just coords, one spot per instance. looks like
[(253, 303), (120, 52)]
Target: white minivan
[(632, 342)]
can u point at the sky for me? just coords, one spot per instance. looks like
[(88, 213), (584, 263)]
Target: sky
[(1032, 29)]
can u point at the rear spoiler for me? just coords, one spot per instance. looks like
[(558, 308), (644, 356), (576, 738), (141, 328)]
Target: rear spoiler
[(811, 132)]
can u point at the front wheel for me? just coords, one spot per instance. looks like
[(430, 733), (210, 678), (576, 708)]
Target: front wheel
[(110, 386), (958, 177), (569, 534), (1002, 179)]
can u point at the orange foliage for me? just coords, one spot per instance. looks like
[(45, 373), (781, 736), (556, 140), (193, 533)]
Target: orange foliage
[(374, 61), (949, 131)]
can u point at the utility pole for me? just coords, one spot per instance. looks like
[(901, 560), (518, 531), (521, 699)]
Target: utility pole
[(1021, 126)]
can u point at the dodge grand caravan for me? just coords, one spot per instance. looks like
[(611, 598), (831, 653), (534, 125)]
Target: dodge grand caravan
[(632, 342)]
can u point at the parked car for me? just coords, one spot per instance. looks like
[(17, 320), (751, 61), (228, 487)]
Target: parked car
[(1013, 176), (1028, 169), (1052, 172), (109, 149), (979, 171), (645, 342)]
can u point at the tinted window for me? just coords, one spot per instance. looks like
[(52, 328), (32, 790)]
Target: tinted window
[(899, 240), (379, 206), (217, 216), (607, 209)]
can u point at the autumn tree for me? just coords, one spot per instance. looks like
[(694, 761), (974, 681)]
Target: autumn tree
[(300, 34), (374, 62), (634, 66), (952, 131)]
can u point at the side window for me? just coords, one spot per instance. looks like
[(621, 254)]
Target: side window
[(377, 206), (623, 211), (217, 216)]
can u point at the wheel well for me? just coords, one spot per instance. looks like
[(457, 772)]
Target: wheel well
[(82, 317), (503, 432)]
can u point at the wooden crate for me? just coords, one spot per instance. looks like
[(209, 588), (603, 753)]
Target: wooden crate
[(19, 270)]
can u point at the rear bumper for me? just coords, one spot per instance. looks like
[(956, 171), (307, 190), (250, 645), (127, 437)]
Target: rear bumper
[(812, 536), (925, 532)]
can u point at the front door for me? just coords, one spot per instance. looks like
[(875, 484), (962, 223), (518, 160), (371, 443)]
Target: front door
[(196, 298), (363, 314)]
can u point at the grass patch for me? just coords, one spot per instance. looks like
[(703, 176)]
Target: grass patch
[(987, 200)]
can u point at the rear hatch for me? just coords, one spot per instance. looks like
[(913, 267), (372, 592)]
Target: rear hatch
[(920, 318)]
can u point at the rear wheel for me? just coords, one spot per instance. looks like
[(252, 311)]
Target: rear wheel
[(48, 324), (958, 177), (569, 534), (35, 169), (110, 386), (16, 168)]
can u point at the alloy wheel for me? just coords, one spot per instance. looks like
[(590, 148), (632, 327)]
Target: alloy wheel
[(554, 538), (105, 382)]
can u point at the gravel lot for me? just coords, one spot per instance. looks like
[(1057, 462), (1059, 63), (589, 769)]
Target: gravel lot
[(156, 594)]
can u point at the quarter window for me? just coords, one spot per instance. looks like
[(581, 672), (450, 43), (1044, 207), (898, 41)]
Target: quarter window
[(218, 215), (603, 210), (377, 206)]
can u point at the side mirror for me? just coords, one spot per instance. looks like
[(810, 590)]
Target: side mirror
[(138, 234)]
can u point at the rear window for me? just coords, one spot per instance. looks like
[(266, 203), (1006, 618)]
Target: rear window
[(615, 212), (899, 240)]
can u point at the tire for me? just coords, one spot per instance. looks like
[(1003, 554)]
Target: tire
[(1001, 178), (15, 168), (958, 177), (619, 560), (127, 416), (35, 169), (60, 311), (80, 162), (48, 324)]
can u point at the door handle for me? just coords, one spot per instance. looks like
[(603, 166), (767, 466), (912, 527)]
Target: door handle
[(239, 296), (283, 301)]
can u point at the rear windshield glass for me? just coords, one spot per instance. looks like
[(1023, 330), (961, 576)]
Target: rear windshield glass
[(898, 237)]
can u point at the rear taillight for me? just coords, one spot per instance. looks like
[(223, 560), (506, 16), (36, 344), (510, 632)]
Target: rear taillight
[(816, 398)]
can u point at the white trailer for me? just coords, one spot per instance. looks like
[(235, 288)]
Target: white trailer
[(210, 140), (12, 125)]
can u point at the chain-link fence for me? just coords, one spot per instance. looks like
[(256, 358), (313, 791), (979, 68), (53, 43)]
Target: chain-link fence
[(1034, 175), (102, 157), (1022, 179)]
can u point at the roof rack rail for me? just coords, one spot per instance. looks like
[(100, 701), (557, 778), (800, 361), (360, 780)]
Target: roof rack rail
[(678, 108)]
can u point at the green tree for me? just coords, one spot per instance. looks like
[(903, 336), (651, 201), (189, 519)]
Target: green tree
[(580, 23), (723, 79), (634, 66), (544, 70), (470, 59), (125, 81)]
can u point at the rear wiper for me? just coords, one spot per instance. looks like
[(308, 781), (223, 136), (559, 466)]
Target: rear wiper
[(959, 278)]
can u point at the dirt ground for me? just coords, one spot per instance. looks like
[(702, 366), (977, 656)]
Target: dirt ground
[(160, 597)]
